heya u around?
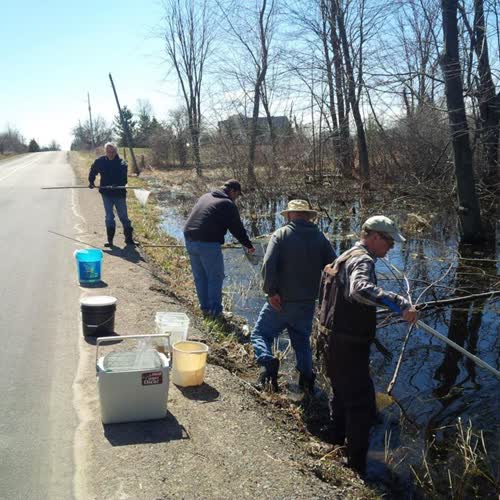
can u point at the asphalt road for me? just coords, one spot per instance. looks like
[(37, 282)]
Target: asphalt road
[(39, 328)]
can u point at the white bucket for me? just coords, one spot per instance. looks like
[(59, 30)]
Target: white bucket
[(176, 324), (189, 363)]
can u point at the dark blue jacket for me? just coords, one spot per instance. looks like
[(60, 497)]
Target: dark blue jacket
[(113, 173), (211, 217)]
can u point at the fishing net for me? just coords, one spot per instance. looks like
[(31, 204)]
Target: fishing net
[(142, 196)]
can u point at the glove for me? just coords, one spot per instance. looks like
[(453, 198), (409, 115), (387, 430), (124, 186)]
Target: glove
[(91, 185), (269, 375), (275, 301)]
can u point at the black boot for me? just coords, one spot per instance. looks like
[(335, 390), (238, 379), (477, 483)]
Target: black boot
[(307, 383), (268, 375), (110, 231), (128, 236)]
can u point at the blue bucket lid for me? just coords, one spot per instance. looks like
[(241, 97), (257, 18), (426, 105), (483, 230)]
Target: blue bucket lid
[(88, 251)]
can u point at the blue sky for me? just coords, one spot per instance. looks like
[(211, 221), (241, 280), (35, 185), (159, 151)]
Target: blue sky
[(54, 52)]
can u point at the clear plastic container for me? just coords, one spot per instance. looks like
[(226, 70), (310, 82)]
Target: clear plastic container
[(176, 324)]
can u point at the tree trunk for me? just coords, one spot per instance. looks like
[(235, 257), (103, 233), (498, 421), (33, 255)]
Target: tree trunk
[(261, 76), (345, 145), (253, 134), (272, 133), (489, 115), (364, 166), (194, 132), (469, 211)]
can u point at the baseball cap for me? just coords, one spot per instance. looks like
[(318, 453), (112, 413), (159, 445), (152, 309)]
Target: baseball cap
[(233, 184), (382, 224)]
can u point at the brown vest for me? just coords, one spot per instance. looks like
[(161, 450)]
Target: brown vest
[(339, 315)]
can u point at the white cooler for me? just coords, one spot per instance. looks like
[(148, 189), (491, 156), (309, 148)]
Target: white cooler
[(133, 385)]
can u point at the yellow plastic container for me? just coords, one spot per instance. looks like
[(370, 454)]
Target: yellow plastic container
[(189, 363)]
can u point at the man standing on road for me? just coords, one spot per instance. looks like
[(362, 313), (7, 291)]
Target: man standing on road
[(349, 296), (113, 172), (212, 216), (294, 259)]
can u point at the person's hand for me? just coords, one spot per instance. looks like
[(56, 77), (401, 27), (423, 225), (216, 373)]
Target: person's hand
[(275, 301), (91, 185), (410, 315), (251, 250)]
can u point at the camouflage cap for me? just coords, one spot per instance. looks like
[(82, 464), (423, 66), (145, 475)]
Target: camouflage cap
[(382, 224)]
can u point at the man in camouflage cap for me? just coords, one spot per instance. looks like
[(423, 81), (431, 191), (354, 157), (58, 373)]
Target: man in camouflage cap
[(349, 296)]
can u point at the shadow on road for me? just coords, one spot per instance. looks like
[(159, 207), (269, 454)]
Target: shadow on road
[(100, 284), (153, 431), (204, 393), (128, 252), (114, 338)]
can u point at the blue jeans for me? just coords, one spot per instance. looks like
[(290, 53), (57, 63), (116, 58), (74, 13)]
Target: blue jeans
[(207, 265), (297, 318), (121, 210)]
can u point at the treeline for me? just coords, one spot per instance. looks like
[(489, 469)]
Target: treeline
[(141, 123), (389, 91), (168, 139), (381, 92), (12, 142)]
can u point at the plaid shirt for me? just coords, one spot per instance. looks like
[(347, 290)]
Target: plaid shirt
[(359, 281)]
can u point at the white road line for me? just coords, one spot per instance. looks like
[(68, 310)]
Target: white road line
[(18, 168), (80, 397), (77, 214)]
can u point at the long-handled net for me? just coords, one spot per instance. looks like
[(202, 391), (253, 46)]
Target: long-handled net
[(142, 195)]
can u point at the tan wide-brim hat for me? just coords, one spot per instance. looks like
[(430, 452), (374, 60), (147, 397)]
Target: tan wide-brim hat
[(299, 206)]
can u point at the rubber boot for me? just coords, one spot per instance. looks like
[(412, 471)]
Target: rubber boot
[(110, 231), (268, 377), (307, 383), (128, 236)]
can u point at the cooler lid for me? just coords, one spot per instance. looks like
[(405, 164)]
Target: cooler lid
[(98, 300), (132, 361)]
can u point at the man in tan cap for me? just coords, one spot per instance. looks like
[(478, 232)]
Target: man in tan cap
[(294, 259), (349, 296)]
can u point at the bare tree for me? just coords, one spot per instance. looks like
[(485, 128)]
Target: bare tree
[(469, 211), (489, 117), (12, 141), (254, 30), (86, 137), (336, 84), (317, 18), (354, 83), (188, 39)]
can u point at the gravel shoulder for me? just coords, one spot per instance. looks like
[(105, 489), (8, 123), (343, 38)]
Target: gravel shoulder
[(219, 440)]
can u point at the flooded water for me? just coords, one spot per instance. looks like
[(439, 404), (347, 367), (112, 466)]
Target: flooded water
[(436, 384)]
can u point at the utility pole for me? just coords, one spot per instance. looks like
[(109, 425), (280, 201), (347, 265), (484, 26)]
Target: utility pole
[(91, 125), (125, 129)]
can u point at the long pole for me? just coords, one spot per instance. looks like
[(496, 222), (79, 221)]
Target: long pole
[(86, 187), (125, 129), (426, 328), (91, 124), (420, 324)]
